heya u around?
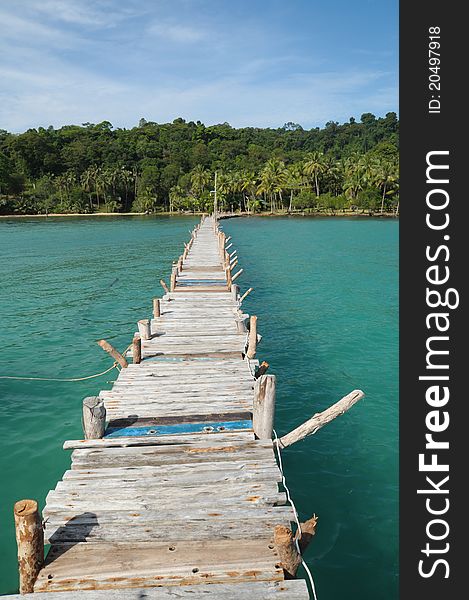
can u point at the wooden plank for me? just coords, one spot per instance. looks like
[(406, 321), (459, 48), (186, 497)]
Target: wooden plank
[(101, 566), (255, 590)]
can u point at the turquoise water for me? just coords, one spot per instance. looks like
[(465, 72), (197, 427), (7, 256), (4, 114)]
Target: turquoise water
[(326, 293)]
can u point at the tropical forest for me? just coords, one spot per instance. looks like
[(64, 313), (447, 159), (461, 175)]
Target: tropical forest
[(154, 168)]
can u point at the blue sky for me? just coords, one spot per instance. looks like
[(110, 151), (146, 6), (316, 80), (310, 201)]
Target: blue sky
[(251, 63)]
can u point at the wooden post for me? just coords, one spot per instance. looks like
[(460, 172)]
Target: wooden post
[(233, 264), (232, 253), (30, 542), (156, 308), (236, 275), (94, 418), (262, 369), (234, 292), (164, 286), (173, 279), (180, 261), (307, 530), (241, 324), (318, 420), (245, 294), (117, 356), (144, 329), (252, 344), (137, 350), (264, 407), (287, 551), (229, 246), (228, 278)]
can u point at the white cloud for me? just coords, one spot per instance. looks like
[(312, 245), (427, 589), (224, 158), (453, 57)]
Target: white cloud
[(177, 33), (76, 97)]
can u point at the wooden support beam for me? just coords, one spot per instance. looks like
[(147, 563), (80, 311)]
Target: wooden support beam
[(232, 253), (284, 542), (252, 344), (156, 308), (228, 278), (94, 418), (228, 247), (137, 350), (30, 542), (264, 407), (318, 420), (173, 279), (235, 292), (236, 275), (228, 239), (180, 262), (164, 286), (246, 294), (144, 329), (308, 530), (233, 265), (117, 356), (262, 369)]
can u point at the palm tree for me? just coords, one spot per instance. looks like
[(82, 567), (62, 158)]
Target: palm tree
[(200, 178), (315, 166), (274, 177), (87, 183), (248, 183), (385, 177), (355, 177), (295, 180)]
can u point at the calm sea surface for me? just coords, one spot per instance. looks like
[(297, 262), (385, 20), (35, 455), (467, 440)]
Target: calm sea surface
[(326, 293)]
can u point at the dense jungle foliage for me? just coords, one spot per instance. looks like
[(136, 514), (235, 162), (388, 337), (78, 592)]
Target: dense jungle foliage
[(170, 167)]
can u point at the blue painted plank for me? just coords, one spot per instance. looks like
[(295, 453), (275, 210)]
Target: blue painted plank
[(207, 427)]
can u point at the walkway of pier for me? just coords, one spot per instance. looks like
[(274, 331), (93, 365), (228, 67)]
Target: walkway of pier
[(178, 496)]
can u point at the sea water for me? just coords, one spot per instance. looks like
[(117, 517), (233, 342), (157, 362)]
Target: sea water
[(326, 294)]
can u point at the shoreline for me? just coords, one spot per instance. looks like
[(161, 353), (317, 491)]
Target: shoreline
[(221, 217)]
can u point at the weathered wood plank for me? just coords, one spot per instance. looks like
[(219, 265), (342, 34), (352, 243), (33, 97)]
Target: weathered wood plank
[(101, 566), (258, 590)]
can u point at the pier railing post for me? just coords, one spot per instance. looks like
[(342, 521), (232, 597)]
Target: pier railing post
[(30, 542), (94, 418), (234, 292), (117, 356), (252, 344), (137, 350), (241, 323), (264, 407), (228, 278), (144, 329), (164, 286), (245, 294), (156, 308), (173, 279), (285, 544)]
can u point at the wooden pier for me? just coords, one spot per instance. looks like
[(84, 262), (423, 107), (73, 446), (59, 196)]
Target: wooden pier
[(175, 488), (178, 491)]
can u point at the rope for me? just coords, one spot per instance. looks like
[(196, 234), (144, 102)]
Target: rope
[(69, 379), (295, 512)]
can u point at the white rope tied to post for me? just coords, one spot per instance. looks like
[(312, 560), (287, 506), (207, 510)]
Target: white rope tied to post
[(67, 379), (295, 513)]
